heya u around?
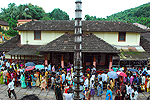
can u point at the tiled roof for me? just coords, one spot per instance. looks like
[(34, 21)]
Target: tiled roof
[(145, 43), (11, 44), (146, 35), (25, 50), (90, 43), (4, 23), (67, 25), (134, 56)]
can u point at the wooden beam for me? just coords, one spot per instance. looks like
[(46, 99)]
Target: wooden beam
[(24, 59), (17, 58), (11, 59), (37, 59), (20, 57), (50, 57), (14, 57), (31, 58)]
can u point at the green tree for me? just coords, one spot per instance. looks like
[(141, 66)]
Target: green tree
[(36, 12), (58, 14), (11, 32), (45, 17), (22, 12)]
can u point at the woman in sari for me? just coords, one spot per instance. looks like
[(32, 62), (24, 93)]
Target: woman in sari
[(23, 84), (2, 79), (8, 76), (43, 83), (33, 79), (37, 79), (109, 93)]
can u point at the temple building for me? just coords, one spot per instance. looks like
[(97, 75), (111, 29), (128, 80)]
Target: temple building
[(104, 43)]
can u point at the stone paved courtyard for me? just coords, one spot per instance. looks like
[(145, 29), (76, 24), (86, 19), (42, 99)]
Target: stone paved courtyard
[(48, 94)]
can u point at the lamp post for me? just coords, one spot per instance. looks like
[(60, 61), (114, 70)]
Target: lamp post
[(78, 49)]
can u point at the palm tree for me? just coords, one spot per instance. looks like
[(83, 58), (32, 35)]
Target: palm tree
[(22, 12)]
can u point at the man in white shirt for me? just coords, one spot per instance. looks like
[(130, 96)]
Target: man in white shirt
[(135, 92), (132, 97), (128, 89), (69, 95), (8, 63), (143, 79), (52, 82), (104, 77), (86, 82), (49, 67), (11, 89)]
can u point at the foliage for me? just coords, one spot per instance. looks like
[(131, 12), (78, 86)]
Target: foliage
[(12, 23), (45, 17), (10, 32), (28, 11), (139, 14), (58, 14), (88, 17)]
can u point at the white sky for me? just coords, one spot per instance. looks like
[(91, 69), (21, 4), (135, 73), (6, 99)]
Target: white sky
[(98, 8)]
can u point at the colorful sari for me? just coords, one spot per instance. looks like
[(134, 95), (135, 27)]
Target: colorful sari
[(23, 84), (2, 79)]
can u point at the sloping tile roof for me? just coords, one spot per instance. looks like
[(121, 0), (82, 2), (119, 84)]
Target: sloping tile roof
[(146, 35), (25, 50), (4, 23), (90, 43), (67, 25), (145, 43), (11, 44), (134, 56)]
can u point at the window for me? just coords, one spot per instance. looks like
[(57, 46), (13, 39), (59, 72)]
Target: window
[(122, 36), (37, 35)]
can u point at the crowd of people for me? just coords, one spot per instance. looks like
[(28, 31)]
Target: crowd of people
[(61, 80)]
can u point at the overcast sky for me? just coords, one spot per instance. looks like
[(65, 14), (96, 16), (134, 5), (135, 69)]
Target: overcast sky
[(98, 8)]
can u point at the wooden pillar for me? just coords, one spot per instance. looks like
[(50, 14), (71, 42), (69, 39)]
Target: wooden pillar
[(37, 59), (85, 54), (50, 57), (31, 58), (46, 63), (84, 61), (20, 57), (24, 59), (17, 58), (62, 60), (110, 63), (11, 59), (94, 61), (14, 57), (71, 54)]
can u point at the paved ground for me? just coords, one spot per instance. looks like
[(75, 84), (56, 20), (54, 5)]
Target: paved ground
[(48, 94)]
